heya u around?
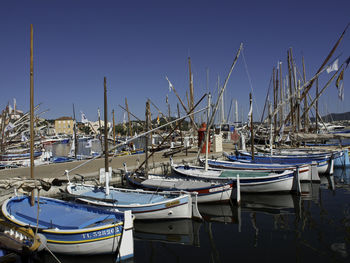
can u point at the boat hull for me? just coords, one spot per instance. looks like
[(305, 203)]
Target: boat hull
[(304, 170), (207, 191), (176, 207), (74, 229), (253, 183)]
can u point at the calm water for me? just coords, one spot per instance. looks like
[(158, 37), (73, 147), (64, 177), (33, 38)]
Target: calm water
[(314, 227)]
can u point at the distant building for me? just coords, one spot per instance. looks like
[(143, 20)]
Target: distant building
[(64, 125)]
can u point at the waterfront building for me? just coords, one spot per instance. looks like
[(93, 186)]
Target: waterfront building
[(64, 125)]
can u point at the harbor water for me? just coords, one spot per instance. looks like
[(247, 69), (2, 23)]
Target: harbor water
[(313, 227)]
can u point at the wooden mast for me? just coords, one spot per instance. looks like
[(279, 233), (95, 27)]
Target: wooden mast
[(75, 135), (306, 113), (106, 127), (274, 104), (316, 106), (129, 122), (100, 127), (191, 101), (251, 126), (147, 115), (31, 110), (281, 95), (290, 87), (113, 128)]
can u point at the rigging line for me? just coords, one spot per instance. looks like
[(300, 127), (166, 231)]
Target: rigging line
[(250, 82)]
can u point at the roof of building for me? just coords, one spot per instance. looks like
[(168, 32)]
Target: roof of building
[(64, 118)]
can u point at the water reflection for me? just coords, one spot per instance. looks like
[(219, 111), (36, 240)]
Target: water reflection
[(313, 226), (180, 231)]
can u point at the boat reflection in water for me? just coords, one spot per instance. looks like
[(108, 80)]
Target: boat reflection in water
[(220, 213), (179, 231)]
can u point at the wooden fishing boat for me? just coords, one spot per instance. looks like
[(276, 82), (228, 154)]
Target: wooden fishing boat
[(143, 204), (250, 181), (208, 190), (72, 228), (306, 173), (324, 162)]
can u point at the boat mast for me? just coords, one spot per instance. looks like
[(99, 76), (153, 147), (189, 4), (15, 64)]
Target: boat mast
[(147, 136), (274, 104), (113, 128), (306, 114), (281, 94), (251, 126), (207, 135), (106, 127), (31, 110), (75, 135), (129, 122), (316, 106), (191, 101), (100, 127), (31, 105)]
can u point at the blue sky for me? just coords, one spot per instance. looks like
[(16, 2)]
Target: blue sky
[(135, 44)]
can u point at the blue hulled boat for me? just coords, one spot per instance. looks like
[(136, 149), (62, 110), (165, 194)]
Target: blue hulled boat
[(72, 228)]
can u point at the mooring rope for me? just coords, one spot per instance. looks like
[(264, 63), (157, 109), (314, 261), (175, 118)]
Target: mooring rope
[(250, 83)]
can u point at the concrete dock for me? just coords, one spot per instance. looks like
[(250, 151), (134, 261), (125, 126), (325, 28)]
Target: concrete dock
[(91, 169)]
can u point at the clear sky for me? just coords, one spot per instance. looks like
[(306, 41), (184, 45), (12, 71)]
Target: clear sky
[(136, 43)]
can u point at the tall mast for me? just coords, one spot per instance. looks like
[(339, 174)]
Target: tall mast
[(31, 111), (113, 128), (129, 122), (75, 135), (290, 87), (316, 106), (274, 104), (191, 101), (147, 115), (31, 104), (100, 127), (306, 113), (281, 95), (251, 126), (106, 127)]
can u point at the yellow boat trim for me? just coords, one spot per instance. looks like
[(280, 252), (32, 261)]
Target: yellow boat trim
[(74, 231), (83, 241)]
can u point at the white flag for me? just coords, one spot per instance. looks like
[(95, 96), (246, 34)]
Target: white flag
[(83, 118), (9, 127), (333, 67), (170, 85)]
